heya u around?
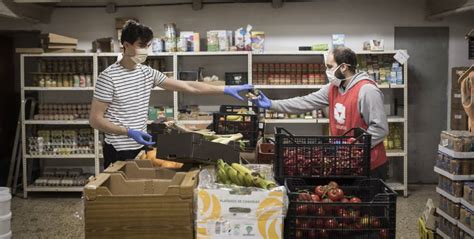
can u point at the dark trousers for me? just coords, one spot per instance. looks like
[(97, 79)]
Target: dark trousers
[(380, 172), (111, 155)]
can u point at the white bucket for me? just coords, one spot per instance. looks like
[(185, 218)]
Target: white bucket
[(5, 201), (5, 223), (6, 236)]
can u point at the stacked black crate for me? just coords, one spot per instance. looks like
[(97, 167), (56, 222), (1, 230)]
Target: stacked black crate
[(330, 189)]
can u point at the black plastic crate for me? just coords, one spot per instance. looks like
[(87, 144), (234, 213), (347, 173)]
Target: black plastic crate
[(322, 156), (373, 217), (233, 123), (237, 108)]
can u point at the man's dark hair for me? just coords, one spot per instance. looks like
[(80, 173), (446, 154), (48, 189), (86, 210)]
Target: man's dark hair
[(345, 55), (133, 31)]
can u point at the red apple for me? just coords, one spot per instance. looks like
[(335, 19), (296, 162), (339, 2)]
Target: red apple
[(344, 200), (357, 225), (375, 222), (302, 210), (319, 190), (299, 234), (331, 223), (312, 234), (383, 234), (355, 200), (304, 196), (320, 211), (335, 194), (319, 223), (315, 198), (323, 234)]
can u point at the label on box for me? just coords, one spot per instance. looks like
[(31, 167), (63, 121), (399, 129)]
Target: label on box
[(457, 96), (458, 117), (237, 229), (240, 213), (401, 56)]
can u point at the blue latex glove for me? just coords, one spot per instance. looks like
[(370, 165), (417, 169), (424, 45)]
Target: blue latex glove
[(141, 137), (262, 101), (235, 90)]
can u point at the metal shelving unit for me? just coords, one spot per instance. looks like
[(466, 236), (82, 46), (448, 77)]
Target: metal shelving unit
[(42, 91), (175, 59)]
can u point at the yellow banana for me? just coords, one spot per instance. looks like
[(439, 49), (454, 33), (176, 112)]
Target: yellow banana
[(221, 175), (241, 178), (244, 170), (249, 180), (232, 174), (262, 183), (241, 168), (234, 118)]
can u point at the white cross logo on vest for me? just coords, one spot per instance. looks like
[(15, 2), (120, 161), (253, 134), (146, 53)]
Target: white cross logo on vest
[(340, 113)]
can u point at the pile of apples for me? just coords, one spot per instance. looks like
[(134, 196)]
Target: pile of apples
[(345, 159), (319, 220)]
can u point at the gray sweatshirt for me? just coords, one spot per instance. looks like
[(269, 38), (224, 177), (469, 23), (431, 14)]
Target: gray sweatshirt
[(370, 105)]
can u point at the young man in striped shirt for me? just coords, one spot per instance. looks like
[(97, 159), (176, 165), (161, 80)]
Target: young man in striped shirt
[(122, 94)]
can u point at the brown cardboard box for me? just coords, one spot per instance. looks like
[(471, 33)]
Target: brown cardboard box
[(456, 102), (458, 120), (456, 73), (134, 200), (140, 169)]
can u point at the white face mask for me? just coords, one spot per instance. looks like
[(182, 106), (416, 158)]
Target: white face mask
[(140, 55), (332, 77)]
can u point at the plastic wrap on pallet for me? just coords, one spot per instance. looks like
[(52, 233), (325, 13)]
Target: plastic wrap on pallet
[(231, 212)]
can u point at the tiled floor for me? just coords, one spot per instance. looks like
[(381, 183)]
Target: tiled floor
[(60, 215)]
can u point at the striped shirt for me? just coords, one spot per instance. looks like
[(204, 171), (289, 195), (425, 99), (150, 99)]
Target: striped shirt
[(128, 94)]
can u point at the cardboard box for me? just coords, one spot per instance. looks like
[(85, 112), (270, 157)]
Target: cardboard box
[(235, 213), (456, 72), (456, 101), (118, 204), (459, 120), (429, 215), (140, 169)]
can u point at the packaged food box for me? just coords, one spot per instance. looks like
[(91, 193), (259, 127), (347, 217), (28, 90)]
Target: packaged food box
[(458, 140), (455, 166), (450, 208), (466, 217), (451, 230), (454, 188), (468, 193), (238, 212)]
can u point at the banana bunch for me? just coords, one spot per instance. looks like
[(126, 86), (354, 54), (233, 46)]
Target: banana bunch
[(241, 176), (238, 116)]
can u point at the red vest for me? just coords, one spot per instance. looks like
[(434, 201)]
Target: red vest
[(344, 115)]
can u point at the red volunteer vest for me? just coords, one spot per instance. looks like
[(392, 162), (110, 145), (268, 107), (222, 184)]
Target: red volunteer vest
[(344, 115)]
